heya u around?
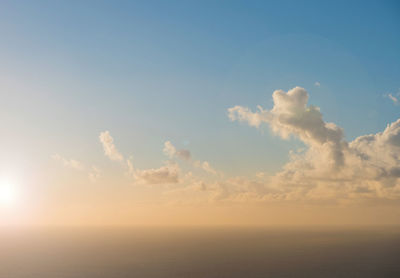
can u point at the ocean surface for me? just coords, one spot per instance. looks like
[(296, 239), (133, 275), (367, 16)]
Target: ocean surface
[(199, 252)]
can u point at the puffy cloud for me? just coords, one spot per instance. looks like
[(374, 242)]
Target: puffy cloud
[(243, 114), (205, 165), (172, 152), (379, 153), (317, 84), (166, 174), (290, 115), (109, 148), (330, 168), (169, 149)]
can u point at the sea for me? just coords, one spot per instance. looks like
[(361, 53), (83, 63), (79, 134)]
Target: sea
[(194, 252)]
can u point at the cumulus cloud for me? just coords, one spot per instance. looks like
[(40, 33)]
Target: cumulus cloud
[(109, 148), (244, 114), (172, 152), (330, 168), (205, 165), (290, 115), (166, 174)]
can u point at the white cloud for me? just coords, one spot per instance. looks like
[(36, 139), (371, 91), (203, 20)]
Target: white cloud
[(243, 114), (317, 84), (109, 148), (291, 116), (330, 168)]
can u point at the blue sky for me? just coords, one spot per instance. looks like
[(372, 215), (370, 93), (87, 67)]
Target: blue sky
[(153, 71)]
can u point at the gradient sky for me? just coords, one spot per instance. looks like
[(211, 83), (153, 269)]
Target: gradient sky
[(152, 72)]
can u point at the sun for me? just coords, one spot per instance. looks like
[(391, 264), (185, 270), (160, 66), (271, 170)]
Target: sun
[(8, 194)]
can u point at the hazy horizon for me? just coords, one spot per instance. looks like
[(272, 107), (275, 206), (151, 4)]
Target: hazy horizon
[(200, 252)]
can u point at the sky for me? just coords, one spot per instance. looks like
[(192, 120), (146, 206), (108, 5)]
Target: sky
[(199, 112)]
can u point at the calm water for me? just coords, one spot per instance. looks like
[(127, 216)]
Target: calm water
[(201, 252)]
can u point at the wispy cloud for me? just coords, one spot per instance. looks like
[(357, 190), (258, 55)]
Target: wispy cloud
[(166, 174), (109, 148), (70, 163), (172, 152), (93, 172), (394, 97)]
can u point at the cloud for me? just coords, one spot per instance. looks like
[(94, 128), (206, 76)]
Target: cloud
[(164, 175), (109, 148), (94, 174), (70, 163), (167, 174), (172, 152), (131, 169), (290, 115), (317, 84), (330, 168), (205, 165), (243, 114), (393, 98), (379, 154)]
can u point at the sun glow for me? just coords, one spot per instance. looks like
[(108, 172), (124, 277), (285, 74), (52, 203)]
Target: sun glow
[(8, 194)]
